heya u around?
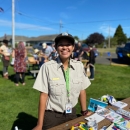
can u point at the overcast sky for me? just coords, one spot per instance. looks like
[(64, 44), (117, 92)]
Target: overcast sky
[(78, 17)]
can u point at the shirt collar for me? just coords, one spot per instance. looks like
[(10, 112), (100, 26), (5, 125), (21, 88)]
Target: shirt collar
[(59, 63)]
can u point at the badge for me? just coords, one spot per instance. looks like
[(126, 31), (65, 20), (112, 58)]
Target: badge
[(68, 108)]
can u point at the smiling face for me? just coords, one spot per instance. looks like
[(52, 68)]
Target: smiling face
[(65, 49)]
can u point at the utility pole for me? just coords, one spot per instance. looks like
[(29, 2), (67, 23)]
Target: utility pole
[(82, 37), (13, 24), (60, 30), (109, 38)]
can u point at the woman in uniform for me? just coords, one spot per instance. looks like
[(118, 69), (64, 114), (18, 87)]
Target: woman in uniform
[(4, 50), (61, 82)]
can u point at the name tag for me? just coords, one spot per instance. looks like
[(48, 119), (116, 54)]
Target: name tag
[(68, 107), (55, 78)]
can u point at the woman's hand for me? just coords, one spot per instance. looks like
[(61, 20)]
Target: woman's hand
[(89, 113), (38, 127)]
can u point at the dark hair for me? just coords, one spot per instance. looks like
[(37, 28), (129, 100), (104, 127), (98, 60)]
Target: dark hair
[(5, 41)]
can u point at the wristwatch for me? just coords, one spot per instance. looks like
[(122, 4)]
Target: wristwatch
[(84, 112)]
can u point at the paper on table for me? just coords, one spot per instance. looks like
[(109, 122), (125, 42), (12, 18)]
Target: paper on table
[(95, 116), (120, 104)]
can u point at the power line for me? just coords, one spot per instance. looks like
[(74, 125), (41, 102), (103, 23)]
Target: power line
[(6, 10), (100, 21), (107, 20), (34, 18), (75, 29)]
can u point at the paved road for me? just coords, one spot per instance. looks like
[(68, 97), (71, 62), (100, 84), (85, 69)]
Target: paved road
[(105, 59)]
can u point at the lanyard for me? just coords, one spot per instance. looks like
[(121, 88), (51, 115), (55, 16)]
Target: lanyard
[(67, 82), (67, 79)]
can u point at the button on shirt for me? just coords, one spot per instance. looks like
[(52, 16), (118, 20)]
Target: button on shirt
[(51, 80)]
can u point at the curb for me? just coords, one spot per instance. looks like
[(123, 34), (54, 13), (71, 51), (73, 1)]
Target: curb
[(115, 64)]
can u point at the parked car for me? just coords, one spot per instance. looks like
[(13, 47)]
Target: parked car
[(123, 53), (85, 47), (39, 45)]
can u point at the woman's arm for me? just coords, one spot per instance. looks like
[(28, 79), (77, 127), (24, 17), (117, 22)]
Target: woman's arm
[(1, 51), (41, 110), (25, 53), (82, 98), (13, 53), (83, 104)]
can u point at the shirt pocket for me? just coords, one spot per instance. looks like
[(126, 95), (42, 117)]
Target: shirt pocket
[(76, 85), (56, 87)]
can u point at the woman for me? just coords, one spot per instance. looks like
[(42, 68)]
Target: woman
[(61, 82), (4, 50), (91, 61), (20, 63)]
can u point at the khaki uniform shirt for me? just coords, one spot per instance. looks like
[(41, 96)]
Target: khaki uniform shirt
[(5, 50), (51, 80)]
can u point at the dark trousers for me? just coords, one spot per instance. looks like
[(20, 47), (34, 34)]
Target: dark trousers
[(52, 118), (92, 72), (5, 70), (19, 76)]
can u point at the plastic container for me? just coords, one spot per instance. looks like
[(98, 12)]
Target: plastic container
[(92, 124)]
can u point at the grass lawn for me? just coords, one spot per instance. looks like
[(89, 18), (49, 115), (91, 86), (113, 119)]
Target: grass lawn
[(18, 105), (104, 50)]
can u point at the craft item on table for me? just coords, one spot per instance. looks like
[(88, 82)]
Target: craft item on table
[(109, 114), (113, 116), (80, 126), (123, 125), (108, 99), (103, 112), (94, 103), (124, 113), (104, 98), (120, 104), (111, 99), (95, 116), (115, 128), (92, 124)]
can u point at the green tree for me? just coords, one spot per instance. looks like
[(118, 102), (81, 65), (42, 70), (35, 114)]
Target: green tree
[(113, 41), (95, 38), (76, 38), (119, 34)]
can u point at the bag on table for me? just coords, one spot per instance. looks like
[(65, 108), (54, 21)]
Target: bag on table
[(7, 57), (88, 73)]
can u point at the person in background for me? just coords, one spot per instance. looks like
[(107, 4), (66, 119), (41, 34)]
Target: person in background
[(61, 83), (91, 61), (40, 57), (4, 50), (83, 55), (20, 55), (54, 53), (36, 56), (47, 50)]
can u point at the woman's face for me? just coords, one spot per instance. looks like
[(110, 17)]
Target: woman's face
[(65, 48)]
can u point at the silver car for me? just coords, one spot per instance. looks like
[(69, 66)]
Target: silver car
[(39, 45)]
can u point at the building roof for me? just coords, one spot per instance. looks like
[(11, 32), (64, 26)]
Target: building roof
[(26, 39)]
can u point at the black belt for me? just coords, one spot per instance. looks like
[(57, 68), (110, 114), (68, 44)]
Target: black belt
[(63, 113)]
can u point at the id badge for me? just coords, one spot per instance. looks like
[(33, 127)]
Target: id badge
[(68, 107)]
